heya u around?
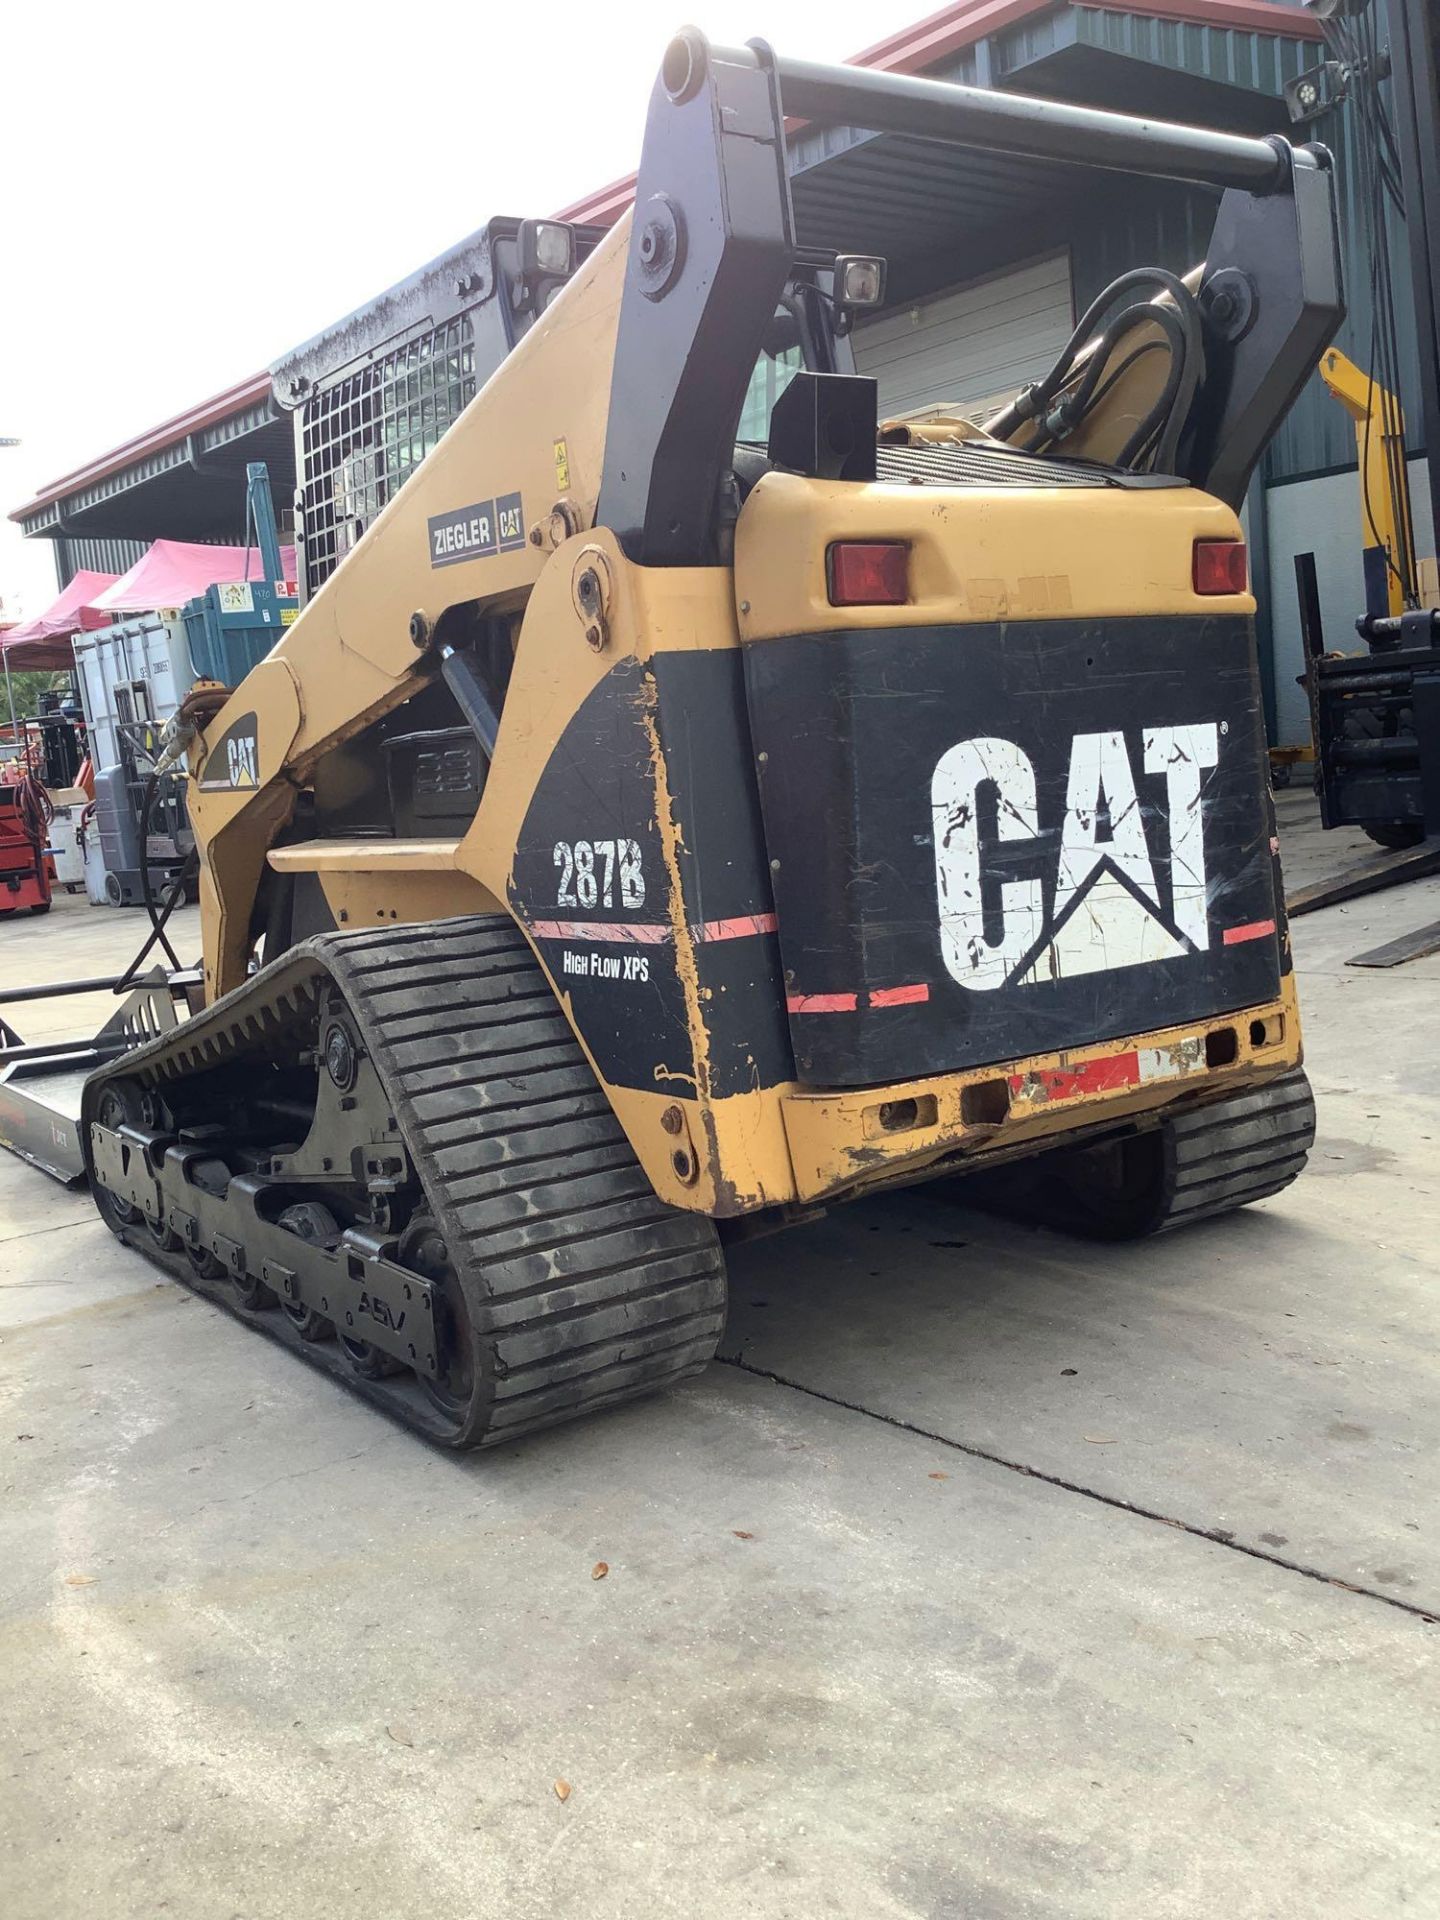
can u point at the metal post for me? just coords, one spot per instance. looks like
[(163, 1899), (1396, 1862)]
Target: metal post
[(10, 693), (260, 509), (9, 441), (1417, 117), (1258, 503)]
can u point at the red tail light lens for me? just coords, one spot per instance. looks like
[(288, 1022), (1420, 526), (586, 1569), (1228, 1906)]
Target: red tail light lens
[(868, 573), (1219, 567)]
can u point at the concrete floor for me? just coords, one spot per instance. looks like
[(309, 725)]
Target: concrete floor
[(989, 1575)]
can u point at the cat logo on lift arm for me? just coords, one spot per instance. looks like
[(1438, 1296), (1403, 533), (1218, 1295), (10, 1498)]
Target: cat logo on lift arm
[(1105, 911), (234, 763)]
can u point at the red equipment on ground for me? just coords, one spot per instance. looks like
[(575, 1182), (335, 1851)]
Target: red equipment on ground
[(25, 813)]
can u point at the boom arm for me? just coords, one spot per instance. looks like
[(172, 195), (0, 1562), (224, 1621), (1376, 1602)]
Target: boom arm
[(1388, 529)]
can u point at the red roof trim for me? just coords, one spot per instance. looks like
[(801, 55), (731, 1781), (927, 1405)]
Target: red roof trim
[(960, 25), (220, 406), (1248, 16), (929, 41), (605, 206)]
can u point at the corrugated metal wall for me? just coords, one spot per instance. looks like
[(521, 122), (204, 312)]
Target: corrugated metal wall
[(1173, 230), (74, 554), (1232, 56), (1149, 223), (974, 345)]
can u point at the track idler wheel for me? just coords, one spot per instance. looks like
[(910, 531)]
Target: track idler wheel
[(367, 1361), (451, 1392), (252, 1292), (119, 1106), (317, 1226)]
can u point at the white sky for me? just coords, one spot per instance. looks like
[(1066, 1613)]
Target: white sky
[(187, 191)]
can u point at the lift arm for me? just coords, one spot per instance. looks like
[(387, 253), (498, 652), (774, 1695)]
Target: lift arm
[(713, 237)]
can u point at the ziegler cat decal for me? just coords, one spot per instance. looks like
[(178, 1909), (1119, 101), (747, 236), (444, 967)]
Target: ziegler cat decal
[(475, 532)]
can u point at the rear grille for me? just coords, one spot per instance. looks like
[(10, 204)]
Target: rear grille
[(977, 464), (972, 463), (363, 437)]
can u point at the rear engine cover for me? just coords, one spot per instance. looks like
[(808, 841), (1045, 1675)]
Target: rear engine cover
[(995, 840)]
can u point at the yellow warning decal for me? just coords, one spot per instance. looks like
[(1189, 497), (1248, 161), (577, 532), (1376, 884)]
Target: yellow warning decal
[(562, 466), (288, 616)]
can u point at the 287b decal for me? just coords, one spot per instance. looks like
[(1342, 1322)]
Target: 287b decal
[(599, 873), (1101, 907)]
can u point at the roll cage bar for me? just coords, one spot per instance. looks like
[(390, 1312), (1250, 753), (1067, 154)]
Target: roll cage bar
[(712, 251)]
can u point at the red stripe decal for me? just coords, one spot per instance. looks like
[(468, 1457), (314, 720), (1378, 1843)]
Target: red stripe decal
[(900, 996), (849, 1002), (652, 933), (1256, 930), (1109, 1075), (637, 933), (735, 929)]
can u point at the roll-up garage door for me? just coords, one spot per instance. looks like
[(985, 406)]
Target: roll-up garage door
[(971, 345)]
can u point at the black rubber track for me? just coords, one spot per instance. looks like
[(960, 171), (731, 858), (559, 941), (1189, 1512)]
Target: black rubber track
[(581, 1286), (1220, 1157), (1194, 1166)]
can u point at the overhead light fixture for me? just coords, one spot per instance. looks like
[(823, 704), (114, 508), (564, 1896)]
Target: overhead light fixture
[(1314, 91)]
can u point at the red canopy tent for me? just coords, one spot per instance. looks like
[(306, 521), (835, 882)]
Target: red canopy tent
[(170, 572), (44, 642)]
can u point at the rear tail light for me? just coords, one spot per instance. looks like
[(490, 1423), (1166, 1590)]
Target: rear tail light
[(1219, 566), (868, 573)]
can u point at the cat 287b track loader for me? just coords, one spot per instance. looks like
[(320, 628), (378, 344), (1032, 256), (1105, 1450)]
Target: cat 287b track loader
[(644, 836)]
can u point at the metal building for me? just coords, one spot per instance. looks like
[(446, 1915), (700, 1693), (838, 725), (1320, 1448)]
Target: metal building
[(182, 480), (990, 262)]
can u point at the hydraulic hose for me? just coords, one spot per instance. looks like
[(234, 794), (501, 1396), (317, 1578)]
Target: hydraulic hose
[(159, 912), (34, 807), (1059, 412)]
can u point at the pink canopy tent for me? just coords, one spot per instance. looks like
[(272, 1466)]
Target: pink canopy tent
[(44, 642), (170, 572)]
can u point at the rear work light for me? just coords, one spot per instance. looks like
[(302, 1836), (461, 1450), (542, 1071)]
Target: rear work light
[(1219, 566), (868, 573)]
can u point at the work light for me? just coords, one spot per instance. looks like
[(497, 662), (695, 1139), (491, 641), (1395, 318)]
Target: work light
[(546, 247), (859, 279)]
